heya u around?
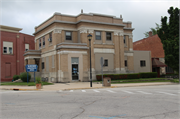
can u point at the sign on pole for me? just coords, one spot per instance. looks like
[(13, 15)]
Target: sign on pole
[(102, 63), (31, 68)]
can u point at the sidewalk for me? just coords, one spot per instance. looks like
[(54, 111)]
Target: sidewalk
[(79, 85)]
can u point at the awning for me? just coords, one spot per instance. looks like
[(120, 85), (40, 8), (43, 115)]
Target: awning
[(157, 63)]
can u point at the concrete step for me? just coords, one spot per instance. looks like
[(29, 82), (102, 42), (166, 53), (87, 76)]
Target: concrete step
[(19, 80)]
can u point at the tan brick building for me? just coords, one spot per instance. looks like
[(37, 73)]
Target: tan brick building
[(62, 47)]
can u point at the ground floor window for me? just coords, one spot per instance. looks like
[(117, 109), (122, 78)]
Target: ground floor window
[(142, 63), (106, 62)]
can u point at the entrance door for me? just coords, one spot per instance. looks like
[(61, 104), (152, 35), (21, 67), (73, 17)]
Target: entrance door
[(75, 72)]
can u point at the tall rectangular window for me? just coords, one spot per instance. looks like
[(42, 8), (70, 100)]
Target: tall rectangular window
[(26, 47), (50, 37), (108, 36), (68, 35), (98, 35), (105, 62), (142, 63), (43, 41), (39, 43), (125, 63), (124, 39), (42, 65)]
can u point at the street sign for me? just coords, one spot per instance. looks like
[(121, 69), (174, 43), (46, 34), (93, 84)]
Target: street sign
[(31, 68)]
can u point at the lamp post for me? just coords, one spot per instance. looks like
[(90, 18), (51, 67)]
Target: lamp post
[(89, 37)]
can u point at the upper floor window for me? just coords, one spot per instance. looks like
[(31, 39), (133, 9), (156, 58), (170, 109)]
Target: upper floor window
[(68, 35), (43, 41), (50, 37), (142, 63), (124, 39), (108, 36), (7, 47), (26, 47), (98, 35), (39, 43)]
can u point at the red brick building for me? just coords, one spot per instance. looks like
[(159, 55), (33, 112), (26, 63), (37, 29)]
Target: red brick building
[(153, 44), (13, 45)]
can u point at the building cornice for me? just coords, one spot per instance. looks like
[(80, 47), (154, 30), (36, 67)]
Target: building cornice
[(64, 43), (10, 29), (86, 21), (72, 47)]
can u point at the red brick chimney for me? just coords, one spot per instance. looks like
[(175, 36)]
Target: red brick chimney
[(150, 33)]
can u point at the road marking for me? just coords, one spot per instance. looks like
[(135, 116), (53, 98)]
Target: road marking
[(111, 91), (96, 91), (127, 91), (71, 91), (144, 92), (167, 93), (83, 91)]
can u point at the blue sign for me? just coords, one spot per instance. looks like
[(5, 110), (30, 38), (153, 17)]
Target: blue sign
[(31, 68)]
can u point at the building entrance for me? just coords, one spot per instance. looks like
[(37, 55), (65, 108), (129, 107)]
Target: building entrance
[(75, 72)]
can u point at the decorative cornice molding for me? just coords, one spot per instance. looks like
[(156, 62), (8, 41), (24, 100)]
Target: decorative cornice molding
[(90, 31), (130, 36), (83, 30), (121, 33), (116, 33), (57, 30)]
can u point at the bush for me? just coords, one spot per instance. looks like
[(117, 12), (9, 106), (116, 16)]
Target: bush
[(148, 75), (15, 77), (118, 76), (23, 76), (38, 80)]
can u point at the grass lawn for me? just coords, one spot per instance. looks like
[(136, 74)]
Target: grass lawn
[(24, 83), (141, 82), (135, 79)]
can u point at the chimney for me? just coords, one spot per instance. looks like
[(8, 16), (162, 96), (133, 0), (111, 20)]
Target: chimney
[(120, 16), (150, 33), (81, 10)]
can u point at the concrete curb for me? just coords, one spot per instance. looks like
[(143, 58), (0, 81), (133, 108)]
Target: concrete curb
[(18, 89), (118, 86)]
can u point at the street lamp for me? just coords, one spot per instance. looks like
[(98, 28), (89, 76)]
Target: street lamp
[(89, 37)]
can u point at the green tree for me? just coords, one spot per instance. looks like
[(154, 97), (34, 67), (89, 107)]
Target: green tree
[(154, 30), (169, 35)]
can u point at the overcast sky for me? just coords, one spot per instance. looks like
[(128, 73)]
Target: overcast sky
[(27, 14)]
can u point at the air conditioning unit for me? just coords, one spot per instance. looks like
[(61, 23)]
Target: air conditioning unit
[(49, 39)]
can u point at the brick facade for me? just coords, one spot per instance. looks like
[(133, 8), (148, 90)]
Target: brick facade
[(13, 64)]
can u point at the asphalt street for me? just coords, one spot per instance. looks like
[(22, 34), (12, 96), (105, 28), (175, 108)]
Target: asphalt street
[(146, 102)]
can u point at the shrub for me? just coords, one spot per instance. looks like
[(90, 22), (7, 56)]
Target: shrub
[(15, 77), (38, 80), (118, 76), (148, 75), (23, 76)]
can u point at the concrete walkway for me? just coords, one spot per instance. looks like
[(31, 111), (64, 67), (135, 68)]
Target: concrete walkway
[(79, 85)]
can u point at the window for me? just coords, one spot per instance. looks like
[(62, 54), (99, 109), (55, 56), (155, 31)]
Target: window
[(5, 50), (7, 47), (10, 50), (142, 63), (39, 43), (68, 35), (50, 37), (44, 41), (98, 35), (105, 62), (124, 39), (42, 65), (108, 35), (125, 63), (26, 47)]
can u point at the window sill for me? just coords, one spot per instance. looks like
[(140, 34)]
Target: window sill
[(50, 44), (7, 54)]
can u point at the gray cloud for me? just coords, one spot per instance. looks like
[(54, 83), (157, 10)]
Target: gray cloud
[(27, 14)]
